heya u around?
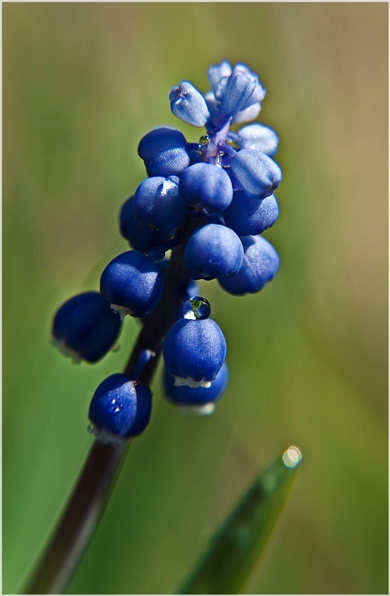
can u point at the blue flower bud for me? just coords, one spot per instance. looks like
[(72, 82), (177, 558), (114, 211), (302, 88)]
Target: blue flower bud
[(250, 217), (194, 351), (85, 327), (163, 151), (213, 105), (188, 104), (120, 408), (259, 138), (206, 188), (213, 251), (218, 75), (239, 89), (157, 203), (139, 237), (200, 399), (259, 92), (134, 282), (247, 114), (261, 263), (255, 173)]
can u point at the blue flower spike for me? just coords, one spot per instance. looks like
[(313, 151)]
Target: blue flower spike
[(85, 327), (209, 200), (188, 104)]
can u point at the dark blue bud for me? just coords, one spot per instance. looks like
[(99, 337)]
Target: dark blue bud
[(206, 188), (250, 217), (85, 327), (261, 263), (194, 351), (120, 408), (200, 399), (255, 173), (140, 238), (158, 205), (134, 282), (188, 104), (163, 151), (213, 251)]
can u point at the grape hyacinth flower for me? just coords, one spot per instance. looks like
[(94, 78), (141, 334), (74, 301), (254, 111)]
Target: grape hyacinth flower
[(198, 214)]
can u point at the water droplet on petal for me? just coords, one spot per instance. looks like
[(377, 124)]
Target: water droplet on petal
[(197, 308), (204, 140)]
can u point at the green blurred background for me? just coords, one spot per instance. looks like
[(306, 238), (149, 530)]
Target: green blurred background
[(82, 83)]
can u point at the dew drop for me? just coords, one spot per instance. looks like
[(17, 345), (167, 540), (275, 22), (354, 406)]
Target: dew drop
[(197, 308), (292, 457), (204, 140)]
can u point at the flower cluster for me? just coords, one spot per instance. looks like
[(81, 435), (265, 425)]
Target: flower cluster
[(208, 202)]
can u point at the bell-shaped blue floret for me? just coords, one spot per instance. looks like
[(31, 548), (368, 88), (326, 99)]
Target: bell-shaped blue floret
[(261, 263), (255, 173), (218, 75), (120, 408), (157, 203), (188, 104), (259, 138), (139, 237), (163, 151), (194, 351), (250, 217), (134, 282), (85, 327), (213, 251), (206, 188), (239, 89), (196, 397)]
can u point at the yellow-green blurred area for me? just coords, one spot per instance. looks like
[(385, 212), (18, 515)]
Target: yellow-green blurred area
[(82, 83)]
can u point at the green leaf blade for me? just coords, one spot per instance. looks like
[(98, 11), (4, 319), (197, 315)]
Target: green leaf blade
[(236, 547)]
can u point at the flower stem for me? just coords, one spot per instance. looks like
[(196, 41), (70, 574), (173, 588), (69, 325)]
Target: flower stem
[(78, 521), (90, 495)]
